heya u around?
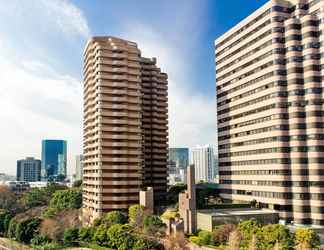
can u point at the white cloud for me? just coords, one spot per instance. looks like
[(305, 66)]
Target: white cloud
[(38, 101), (67, 17), (192, 115)]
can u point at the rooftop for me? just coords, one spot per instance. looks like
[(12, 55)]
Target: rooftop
[(236, 211)]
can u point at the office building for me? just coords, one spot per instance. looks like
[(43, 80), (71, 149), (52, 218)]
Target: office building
[(270, 109), (125, 126), (203, 158), (53, 159), (180, 156), (78, 167), (29, 170)]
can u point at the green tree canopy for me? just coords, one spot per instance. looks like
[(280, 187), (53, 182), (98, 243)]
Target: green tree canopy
[(71, 236), (40, 196), (136, 216), (154, 226), (306, 238), (114, 217)]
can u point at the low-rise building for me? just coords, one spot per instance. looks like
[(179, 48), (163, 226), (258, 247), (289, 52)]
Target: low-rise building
[(29, 170)]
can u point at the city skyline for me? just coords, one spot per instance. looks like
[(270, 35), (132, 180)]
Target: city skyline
[(47, 71)]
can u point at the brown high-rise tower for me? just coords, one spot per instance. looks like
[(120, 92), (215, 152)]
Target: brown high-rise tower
[(125, 126)]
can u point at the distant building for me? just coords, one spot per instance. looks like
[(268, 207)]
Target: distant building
[(78, 168), (203, 158), (53, 159), (29, 170), (176, 174), (180, 156), (4, 177), (18, 186)]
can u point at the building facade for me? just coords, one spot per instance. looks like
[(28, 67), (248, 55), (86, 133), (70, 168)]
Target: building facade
[(270, 109), (29, 170), (180, 156), (53, 159), (203, 158), (78, 167), (125, 126)]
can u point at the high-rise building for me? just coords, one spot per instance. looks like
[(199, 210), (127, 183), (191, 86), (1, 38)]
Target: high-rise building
[(203, 158), (53, 159), (29, 170), (180, 156), (270, 109), (125, 126), (78, 167)]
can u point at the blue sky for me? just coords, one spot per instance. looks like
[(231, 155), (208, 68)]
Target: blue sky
[(42, 43)]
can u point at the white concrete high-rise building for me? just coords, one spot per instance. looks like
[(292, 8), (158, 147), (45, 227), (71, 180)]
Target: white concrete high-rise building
[(203, 158), (78, 167)]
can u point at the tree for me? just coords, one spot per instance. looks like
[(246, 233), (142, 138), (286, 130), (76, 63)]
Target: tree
[(273, 234), (120, 237), (40, 240), (154, 226), (234, 240), (221, 233), (174, 191), (5, 217), (8, 200), (70, 198), (100, 236), (205, 237), (306, 238), (142, 243), (40, 196), (27, 229), (12, 228), (77, 184), (253, 243), (64, 199), (71, 236), (86, 234), (114, 217), (136, 216), (178, 242), (247, 229)]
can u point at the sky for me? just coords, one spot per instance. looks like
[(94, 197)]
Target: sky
[(42, 42)]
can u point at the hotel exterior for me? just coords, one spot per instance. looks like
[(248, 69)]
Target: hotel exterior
[(125, 126), (270, 110)]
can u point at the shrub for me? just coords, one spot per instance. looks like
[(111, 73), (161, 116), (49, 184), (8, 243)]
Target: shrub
[(12, 228), (5, 217), (136, 216), (70, 198), (114, 217), (221, 234), (195, 240), (27, 229), (120, 238), (86, 234), (71, 236), (100, 236), (271, 234), (306, 238), (49, 246), (40, 196), (40, 240), (234, 240), (205, 237), (153, 225), (142, 243)]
